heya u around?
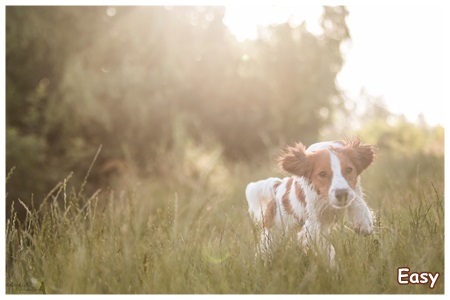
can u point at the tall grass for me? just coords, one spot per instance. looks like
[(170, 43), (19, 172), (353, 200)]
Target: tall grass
[(164, 236)]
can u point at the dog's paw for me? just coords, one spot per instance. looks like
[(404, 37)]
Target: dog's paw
[(364, 227)]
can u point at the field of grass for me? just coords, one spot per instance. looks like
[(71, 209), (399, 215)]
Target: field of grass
[(190, 233)]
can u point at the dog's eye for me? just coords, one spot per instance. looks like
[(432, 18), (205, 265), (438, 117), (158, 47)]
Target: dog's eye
[(323, 174), (348, 170)]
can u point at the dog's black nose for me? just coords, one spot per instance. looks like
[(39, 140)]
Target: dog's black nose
[(341, 195)]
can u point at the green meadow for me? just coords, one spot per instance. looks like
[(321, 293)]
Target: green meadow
[(192, 235)]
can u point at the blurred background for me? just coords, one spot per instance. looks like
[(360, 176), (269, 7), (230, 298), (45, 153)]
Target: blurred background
[(178, 94)]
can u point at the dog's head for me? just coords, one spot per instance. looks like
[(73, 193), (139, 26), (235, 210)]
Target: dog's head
[(331, 168)]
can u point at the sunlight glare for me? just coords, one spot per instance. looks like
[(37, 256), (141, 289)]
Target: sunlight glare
[(243, 21)]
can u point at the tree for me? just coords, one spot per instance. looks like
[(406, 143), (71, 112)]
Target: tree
[(128, 77)]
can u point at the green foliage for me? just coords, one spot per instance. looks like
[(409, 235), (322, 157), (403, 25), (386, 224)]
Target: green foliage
[(80, 77), (196, 237), (403, 137), (24, 152)]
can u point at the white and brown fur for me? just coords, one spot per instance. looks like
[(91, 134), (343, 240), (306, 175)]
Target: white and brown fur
[(324, 186)]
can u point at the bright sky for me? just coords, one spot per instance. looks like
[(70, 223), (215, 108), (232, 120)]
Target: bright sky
[(396, 52)]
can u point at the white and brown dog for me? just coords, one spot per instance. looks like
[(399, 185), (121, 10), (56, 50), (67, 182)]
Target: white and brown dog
[(324, 187)]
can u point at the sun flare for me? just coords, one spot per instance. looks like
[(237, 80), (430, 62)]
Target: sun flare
[(243, 21)]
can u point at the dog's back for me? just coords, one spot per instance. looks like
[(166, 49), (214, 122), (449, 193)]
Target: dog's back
[(259, 194)]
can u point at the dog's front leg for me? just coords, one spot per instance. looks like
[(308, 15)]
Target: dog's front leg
[(361, 216), (312, 237)]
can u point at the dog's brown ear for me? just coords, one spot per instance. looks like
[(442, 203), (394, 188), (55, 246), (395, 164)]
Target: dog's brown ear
[(294, 160), (362, 155)]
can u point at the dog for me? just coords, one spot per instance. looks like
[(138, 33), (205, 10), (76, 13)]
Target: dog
[(323, 187)]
